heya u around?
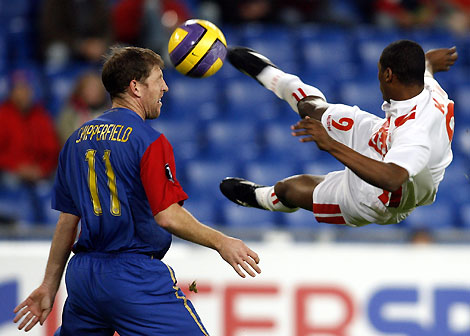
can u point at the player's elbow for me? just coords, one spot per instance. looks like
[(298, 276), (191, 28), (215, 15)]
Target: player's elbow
[(396, 177), (164, 220)]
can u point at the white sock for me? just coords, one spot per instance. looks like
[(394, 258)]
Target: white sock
[(287, 86), (267, 198)]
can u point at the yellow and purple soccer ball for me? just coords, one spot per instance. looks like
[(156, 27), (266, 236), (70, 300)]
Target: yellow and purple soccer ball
[(197, 48)]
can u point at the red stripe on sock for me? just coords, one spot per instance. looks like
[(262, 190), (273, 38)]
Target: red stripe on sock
[(295, 96), (276, 201), (302, 92), (331, 220), (326, 208)]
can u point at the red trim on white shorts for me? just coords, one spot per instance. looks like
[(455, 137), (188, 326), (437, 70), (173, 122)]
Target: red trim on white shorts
[(328, 213)]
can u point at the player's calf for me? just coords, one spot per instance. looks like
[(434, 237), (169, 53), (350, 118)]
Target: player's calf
[(250, 194)]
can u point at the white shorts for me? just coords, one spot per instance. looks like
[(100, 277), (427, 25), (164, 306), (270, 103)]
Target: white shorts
[(336, 202), (342, 197)]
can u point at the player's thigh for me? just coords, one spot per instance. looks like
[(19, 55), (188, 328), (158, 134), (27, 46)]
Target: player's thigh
[(297, 191), (151, 304), (77, 321)]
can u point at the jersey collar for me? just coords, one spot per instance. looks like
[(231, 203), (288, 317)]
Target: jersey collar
[(399, 107)]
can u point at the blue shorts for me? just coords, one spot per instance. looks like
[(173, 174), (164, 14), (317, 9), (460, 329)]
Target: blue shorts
[(132, 294)]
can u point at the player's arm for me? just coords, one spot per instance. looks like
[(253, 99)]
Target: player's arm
[(181, 223), (39, 303), (388, 176), (312, 107), (440, 60)]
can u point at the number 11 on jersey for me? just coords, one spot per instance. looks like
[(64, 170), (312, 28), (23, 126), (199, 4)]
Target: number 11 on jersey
[(115, 206)]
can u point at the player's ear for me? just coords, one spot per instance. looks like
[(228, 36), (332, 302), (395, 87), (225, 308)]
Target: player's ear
[(388, 74), (134, 88)]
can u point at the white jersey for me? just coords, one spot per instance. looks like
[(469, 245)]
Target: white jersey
[(415, 134)]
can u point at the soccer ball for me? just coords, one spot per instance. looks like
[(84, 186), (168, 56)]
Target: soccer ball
[(197, 48)]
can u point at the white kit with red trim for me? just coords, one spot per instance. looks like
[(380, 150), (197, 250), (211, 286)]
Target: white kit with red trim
[(415, 134)]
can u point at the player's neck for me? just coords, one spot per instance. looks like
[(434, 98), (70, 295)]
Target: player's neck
[(406, 92), (123, 103)]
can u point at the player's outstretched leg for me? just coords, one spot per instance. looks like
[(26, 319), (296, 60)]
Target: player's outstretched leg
[(286, 86), (250, 194)]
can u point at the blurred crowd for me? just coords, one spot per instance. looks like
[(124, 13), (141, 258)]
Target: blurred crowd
[(45, 37)]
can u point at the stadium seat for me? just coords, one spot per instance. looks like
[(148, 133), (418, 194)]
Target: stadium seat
[(10, 8), (461, 140), (4, 86), (191, 98), (252, 218), (185, 136), (279, 144), (433, 38), (246, 99), (440, 215), (369, 43), (205, 211), (204, 176), (232, 140), (268, 40), (60, 86), (462, 103), (465, 216), (364, 94), (269, 172), (322, 166), (301, 219), (455, 186), (326, 53)]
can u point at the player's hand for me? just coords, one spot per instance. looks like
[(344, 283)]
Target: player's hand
[(441, 59), (237, 255), (312, 130), (34, 309)]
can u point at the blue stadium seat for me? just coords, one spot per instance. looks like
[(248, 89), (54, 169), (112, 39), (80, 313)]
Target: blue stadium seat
[(247, 99), (268, 40), (301, 219), (185, 136), (455, 187), (9, 8), (279, 144), (461, 140), (462, 103), (326, 53), (365, 94), (204, 176), (465, 216), (322, 167), (232, 140), (269, 172), (204, 210), (369, 44), (61, 85), (433, 38), (252, 218), (4, 86), (191, 98), (440, 215), (3, 51)]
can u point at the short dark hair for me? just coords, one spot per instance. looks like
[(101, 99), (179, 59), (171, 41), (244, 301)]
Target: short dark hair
[(407, 61), (124, 64)]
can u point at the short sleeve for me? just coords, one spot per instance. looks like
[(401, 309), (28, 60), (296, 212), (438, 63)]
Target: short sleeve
[(61, 197), (157, 172), (410, 149)]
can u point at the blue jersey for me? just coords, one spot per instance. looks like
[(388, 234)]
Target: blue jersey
[(115, 173)]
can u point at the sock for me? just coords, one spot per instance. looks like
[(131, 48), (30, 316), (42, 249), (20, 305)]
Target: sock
[(287, 87), (267, 198)]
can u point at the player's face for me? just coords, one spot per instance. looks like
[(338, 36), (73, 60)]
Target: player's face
[(155, 87), (382, 81)]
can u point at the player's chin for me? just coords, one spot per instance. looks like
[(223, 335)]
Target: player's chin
[(155, 113)]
